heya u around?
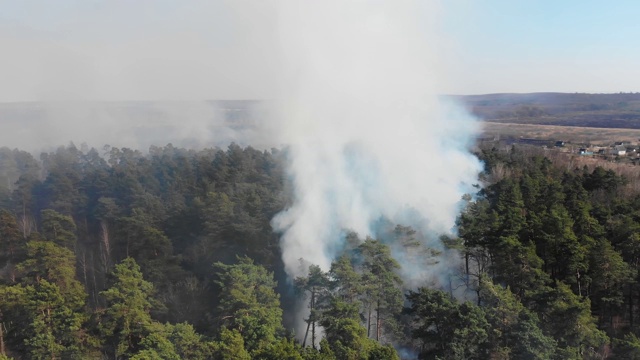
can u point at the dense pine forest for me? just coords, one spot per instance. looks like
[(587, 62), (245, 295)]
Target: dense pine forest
[(119, 254)]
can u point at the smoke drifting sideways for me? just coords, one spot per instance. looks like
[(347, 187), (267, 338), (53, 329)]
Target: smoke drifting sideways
[(368, 137), (132, 74), (42, 126)]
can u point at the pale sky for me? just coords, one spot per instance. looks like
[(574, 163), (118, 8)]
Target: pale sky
[(226, 49), (545, 45)]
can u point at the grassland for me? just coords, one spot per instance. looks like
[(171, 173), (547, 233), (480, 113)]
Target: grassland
[(583, 110), (573, 134)]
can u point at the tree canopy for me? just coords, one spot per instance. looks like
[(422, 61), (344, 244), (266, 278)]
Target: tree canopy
[(171, 255)]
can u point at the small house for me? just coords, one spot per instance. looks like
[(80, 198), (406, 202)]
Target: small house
[(619, 150)]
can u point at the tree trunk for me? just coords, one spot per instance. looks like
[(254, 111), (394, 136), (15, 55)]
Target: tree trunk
[(24, 218), (579, 287), (105, 248), (95, 283), (2, 351), (378, 322), (313, 319), (304, 342), (369, 321), (631, 306), (466, 263), (83, 263)]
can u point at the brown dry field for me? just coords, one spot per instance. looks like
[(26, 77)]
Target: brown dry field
[(577, 135), (574, 134)]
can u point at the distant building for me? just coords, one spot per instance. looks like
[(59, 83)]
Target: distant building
[(619, 150)]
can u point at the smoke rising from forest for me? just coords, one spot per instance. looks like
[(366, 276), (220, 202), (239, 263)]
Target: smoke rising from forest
[(367, 135), (353, 84)]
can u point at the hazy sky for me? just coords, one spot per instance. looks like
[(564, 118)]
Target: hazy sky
[(544, 45), (177, 50)]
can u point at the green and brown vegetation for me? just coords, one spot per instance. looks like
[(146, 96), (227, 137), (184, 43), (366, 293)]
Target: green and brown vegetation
[(170, 255)]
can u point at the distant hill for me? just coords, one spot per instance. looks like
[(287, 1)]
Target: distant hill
[(588, 110)]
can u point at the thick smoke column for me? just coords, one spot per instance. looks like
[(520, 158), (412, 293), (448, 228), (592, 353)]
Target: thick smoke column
[(354, 83), (367, 136)]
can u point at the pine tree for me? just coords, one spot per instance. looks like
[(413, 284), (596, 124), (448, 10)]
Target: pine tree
[(12, 244), (126, 321), (316, 284), (382, 286), (514, 329), (447, 330), (248, 303), (59, 228)]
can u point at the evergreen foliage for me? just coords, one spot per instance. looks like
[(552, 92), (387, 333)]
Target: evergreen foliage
[(171, 255)]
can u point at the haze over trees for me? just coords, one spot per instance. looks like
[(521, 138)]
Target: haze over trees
[(171, 255)]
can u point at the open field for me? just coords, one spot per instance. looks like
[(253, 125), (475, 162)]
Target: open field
[(576, 137), (620, 110), (574, 134)]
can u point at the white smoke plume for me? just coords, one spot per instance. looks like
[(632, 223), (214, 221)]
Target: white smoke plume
[(354, 83), (368, 137)]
